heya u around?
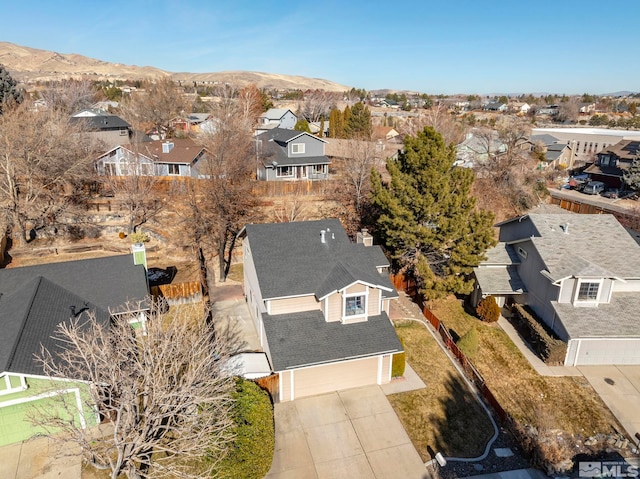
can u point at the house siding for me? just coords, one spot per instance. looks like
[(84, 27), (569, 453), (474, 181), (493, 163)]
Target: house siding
[(334, 312), (313, 147), (516, 230), (292, 305), (373, 302), (288, 121), (630, 285)]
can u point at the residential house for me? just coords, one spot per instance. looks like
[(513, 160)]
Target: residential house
[(519, 107), (477, 147), (108, 128), (34, 300), (276, 118), (581, 276), (194, 123), (175, 157), (315, 126), (557, 154), (384, 133), (291, 155), (550, 110), (320, 306), (495, 106), (613, 161)]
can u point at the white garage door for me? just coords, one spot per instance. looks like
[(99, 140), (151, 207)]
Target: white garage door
[(334, 377), (583, 352)]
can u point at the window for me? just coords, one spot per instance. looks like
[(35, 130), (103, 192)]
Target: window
[(354, 305), (123, 132), (110, 169), (284, 171), (297, 148), (588, 291), (174, 169)]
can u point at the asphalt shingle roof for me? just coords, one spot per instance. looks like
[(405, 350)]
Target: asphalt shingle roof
[(101, 122), (305, 338), (291, 260), (500, 280), (35, 299)]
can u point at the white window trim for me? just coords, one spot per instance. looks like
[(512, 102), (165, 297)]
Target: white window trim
[(10, 389), (299, 146), (291, 168), (352, 295), (169, 169), (577, 301)]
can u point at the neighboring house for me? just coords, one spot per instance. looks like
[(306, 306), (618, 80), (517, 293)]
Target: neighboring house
[(551, 110), (386, 103), (320, 305), (612, 162), (384, 133), (579, 273), (477, 148), (557, 154), (110, 129), (194, 123), (276, 118), (519, 107), (33, 301), (495, 106), (291, 155), (176, 157), (315, 126)]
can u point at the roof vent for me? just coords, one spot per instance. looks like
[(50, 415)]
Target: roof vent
[(565, 228), (322, 236)]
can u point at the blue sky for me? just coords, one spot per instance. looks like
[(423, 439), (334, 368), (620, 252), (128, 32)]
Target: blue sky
[(444, 47)]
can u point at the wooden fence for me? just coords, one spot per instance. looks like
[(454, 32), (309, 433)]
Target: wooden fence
[(179, 293), (270, 384), (409, 286)]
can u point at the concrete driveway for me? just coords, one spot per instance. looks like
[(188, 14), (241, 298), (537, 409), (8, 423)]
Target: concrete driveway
[(619, 388), (352, 434), (39, 458)]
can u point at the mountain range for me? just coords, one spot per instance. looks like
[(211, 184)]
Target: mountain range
[(27, 64)]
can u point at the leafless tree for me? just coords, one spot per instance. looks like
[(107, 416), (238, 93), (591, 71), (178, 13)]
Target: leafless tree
[(136, 190), (222, 202), (569, 110), (290, 209), (43, 162), (69, 96), (155, 106), (164, 395), (355, 159), (317, 104), (438, 117)]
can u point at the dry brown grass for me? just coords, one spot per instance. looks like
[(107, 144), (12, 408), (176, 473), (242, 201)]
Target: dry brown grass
[(444, 416), (565, 403)]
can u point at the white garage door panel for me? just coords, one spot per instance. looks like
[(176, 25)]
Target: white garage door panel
[(608, 351), (334, 377)]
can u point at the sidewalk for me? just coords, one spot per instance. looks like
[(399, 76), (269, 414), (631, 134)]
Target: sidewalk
[(541, 368)]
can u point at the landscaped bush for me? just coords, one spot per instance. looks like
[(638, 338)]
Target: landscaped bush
[(398, 363), (551, 349), (468, 343), (488, 310), (251, 453)]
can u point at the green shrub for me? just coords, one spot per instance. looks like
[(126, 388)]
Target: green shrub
[(545, 343), (468, 343), (251, 452), (488, 310), (398, 363), (139, 237)]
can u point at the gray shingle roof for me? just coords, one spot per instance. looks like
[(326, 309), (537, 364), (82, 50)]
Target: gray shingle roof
[(595, 245), (304, 339), (101, 122), (291, 260), (619, 318), (35, 299), (502, 254), (499, 280)]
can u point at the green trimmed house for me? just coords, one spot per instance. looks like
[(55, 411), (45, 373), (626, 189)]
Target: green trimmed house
[(34, 300)]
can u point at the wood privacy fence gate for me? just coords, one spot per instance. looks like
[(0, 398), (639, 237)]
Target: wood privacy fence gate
[(179, 293), (409, 286)]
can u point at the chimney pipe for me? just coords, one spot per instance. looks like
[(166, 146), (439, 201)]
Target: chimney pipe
[(322, 237)]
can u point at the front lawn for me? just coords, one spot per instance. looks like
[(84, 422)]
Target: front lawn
[(568, 404), (444, 416)]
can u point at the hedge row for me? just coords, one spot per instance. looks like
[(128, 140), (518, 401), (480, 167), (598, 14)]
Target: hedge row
[(550, 349)]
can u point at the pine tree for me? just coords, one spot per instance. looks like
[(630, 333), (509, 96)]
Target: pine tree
[(632, 175), (358, 123), (428, 218), (9, 93), (346, 115), (302, 125)]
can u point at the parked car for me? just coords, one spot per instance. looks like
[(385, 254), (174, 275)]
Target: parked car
[(594, 188), (612, 193), (578, 182)]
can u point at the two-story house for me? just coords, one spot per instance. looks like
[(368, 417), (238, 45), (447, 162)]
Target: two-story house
[(579, 273), (319, 304), (175, 157), (276, 118), (110, 129), (291, 155), (613, 161)]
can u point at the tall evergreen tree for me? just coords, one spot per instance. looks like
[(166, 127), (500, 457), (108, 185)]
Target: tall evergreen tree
[(632, 175), (336, 124), (428, 218), (346, 115), (358, 124), (9, 92), (302, 125)]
